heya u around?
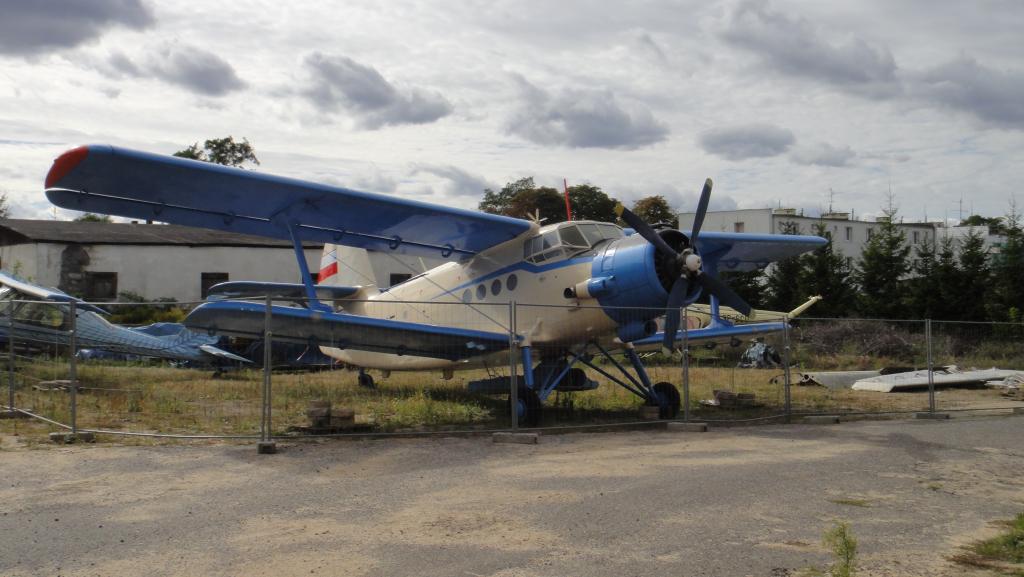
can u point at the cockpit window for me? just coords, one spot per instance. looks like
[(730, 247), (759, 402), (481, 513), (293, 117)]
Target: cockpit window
[(567, 239)]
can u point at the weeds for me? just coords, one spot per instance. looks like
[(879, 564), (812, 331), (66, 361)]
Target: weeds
[(843, 545), (1004, 552)]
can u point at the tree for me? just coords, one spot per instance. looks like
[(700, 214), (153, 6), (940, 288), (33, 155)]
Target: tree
[(589, 202), (1006, 300), (655, 210), (783, 276), (749, 285), (995, 224), (221, 151), (974, 278), (5, 212), (883, 266), (825, 272), (546, 201), (500, 202), (925, 300), (92, 217)]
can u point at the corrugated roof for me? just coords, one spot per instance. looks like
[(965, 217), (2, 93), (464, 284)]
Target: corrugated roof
[(19, 231)]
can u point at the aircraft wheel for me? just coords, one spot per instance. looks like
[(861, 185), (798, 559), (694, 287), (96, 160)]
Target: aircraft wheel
[(366, 381), (529, 407), (668, 394)]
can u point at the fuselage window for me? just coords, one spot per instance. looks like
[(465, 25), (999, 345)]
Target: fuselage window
[(481, 292), (496, 287), (511, 282), (467, 296)]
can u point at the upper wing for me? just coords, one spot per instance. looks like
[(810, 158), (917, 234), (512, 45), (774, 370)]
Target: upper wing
[(736, 251), (29, 291), (135, 184), (345, 331)]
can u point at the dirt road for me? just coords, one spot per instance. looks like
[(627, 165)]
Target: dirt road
[(751, 501)]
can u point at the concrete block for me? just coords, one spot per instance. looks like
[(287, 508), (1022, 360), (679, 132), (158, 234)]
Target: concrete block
[(927, 415), (687, 427), (68, 438), (518, 438), (319, 404), (318, 412), (820, 420), (649, 413), (266, 447), (1018, 410), (9, 414)]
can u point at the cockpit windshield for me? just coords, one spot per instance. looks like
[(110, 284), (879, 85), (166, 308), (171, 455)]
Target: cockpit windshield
[(567, 239)]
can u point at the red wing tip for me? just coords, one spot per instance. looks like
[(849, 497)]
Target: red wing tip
[(64, 163)]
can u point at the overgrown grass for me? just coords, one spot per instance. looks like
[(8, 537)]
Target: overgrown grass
[(1003, 553)]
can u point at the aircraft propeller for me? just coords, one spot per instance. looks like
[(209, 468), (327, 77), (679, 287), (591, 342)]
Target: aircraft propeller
[(689, 266)]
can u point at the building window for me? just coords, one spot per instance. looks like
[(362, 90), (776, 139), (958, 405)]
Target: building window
[(208, 279), (917, 237), (849, 233), (398, 278), (737, 227), (870, 231), (100, 286)]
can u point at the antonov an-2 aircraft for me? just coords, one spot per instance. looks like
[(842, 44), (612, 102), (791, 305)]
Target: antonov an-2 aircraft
[(592, 289)]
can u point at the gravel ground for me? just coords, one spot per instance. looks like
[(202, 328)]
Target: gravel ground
[(733, 502)]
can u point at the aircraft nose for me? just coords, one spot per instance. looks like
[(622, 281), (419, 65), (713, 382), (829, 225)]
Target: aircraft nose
[(65, 163)]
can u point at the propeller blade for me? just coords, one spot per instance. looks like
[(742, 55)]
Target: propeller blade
[(675, 300), (725, 295), (702, 209), (644, 230)]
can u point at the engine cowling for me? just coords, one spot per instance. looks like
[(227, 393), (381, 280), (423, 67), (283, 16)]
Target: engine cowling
[(634, 278)]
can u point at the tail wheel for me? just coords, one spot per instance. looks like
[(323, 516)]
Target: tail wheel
[(529, 408), (668, 400), (365, 380)]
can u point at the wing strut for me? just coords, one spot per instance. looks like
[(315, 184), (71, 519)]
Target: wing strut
[(307, 279)]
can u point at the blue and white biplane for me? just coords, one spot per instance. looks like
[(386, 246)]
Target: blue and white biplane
[(593, 290), (42, 316)]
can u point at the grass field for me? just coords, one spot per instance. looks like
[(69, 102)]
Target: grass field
[(162, 399)]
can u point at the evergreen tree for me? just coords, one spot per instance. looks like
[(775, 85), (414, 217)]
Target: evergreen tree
[(825, 272), (881, 270), (781, 283), (1006, 299), (974, 278), (749, 285), (946, 281), (925, 300)]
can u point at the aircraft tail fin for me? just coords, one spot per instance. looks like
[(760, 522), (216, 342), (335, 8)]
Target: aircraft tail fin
[(796, 312), (347, 266)]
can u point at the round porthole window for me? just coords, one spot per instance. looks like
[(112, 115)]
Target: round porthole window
[(481, 292), (511, 282), (467, 296), (496, 287)]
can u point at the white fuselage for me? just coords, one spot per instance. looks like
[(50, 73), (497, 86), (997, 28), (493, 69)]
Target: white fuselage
[(476, 294)]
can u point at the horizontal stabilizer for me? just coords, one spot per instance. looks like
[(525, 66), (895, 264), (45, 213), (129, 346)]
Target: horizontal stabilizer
[(276, 290), (344, 331)]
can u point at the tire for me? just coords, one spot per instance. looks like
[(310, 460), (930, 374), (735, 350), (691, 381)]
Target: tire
[(668, 400), (530, 407), (366, 381)]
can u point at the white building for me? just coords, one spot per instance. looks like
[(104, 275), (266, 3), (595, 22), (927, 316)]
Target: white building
[(848, 236), (97, 260)]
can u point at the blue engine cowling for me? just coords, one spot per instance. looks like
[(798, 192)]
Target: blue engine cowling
[(638, 280)]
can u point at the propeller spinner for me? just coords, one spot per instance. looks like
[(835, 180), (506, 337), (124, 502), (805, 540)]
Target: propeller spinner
[(689, 265)]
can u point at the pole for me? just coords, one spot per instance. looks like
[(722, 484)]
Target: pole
[(10, 357), (785, 369), (265, 413), (73, 366), (931, 376), (686, 366), (513, 380)]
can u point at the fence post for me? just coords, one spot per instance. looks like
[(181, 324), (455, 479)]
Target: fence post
[(266, 444), (931, 377), (686, 366), (513, 379), (785, 368), (10, 357), (73, 365)]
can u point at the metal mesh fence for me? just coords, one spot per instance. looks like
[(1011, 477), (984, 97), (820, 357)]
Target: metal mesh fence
[(70, 366)]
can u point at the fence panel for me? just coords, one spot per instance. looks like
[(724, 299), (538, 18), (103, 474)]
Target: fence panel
[(835, 363), (984, 361)]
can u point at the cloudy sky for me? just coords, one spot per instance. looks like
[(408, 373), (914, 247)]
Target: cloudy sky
[(778, 101)]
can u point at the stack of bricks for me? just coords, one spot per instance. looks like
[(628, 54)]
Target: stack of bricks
[(729, 399), (323, 416)]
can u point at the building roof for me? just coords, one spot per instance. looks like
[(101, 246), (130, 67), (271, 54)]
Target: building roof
[(20, 231)]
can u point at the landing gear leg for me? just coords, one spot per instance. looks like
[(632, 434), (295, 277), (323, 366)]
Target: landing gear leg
[(365, 380)]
